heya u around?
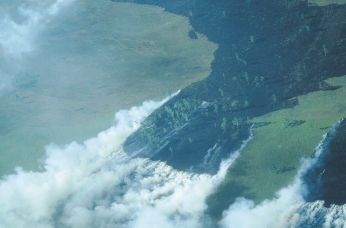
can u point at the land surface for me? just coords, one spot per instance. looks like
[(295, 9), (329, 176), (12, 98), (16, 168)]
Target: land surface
[(272, 56), (88, 62)]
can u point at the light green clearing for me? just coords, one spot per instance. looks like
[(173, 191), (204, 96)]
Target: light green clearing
[(327, 2), (93, 59), (278, 146)]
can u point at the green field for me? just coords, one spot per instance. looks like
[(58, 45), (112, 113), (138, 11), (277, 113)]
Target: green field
[(281, 139), (91, 60)]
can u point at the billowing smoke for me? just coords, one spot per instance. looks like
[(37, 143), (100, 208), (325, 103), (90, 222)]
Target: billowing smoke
[(77, 177), (17, 38), (288, 208), (95, 184), (18, 31)]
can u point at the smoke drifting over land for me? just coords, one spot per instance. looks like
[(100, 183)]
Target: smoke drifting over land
[(288, 208), (17, 37), (95, 184), (19, 29)]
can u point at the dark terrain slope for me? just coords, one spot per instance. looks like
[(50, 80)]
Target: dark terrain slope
[(327, 180), (269, 53), (333, 179)]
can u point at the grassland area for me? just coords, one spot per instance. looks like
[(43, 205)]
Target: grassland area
[(89, 61), (281, 139)]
